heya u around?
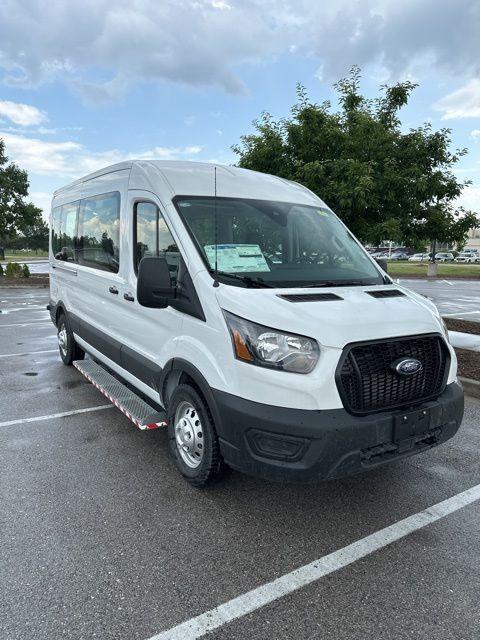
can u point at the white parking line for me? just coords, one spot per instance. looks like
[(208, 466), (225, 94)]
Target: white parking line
[(29, 307), (53, 416), (290, 582), (36, 323), (28, 353)]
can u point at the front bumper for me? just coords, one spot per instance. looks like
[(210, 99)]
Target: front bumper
[(296, 445)]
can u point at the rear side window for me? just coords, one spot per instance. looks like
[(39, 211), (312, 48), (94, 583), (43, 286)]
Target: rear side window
[(152, 237), (56, 222), (98, 242), (63, 231)]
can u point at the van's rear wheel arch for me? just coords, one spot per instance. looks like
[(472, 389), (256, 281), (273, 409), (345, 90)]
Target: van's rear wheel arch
[(68, 348), (60, 309)]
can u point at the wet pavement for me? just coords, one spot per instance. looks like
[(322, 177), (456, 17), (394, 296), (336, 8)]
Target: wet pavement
[(101, 538)]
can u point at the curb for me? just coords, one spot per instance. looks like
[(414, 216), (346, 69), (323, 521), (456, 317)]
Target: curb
[(470, 387), (36, 285)]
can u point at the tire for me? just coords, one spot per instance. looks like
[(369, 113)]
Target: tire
[(193, 440), (68, 348)]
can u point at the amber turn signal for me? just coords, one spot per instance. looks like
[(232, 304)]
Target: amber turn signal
[(241, 348)]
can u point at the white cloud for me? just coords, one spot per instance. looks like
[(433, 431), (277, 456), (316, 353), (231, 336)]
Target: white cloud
[(193, 149), (475, 133), (204, 42), (470, 198), (23, 115), (41, 199), (220, 4), (462, 103), (72, 160)]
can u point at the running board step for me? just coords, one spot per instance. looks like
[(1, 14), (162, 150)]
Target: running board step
[(137, 410)]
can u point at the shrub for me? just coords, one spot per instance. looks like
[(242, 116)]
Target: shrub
[(13, 270), (25, 271)]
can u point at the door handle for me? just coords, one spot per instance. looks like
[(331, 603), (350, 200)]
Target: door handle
[(113, 290), (129, 297)]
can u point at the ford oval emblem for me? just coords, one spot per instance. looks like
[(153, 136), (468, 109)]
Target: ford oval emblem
[(407, 366)]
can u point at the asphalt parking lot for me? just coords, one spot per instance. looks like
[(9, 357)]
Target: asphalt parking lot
[(455, 298), (101, 538)]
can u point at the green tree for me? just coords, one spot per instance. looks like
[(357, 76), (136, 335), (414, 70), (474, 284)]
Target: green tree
[(15, 213), (384, 182), (35, 235)]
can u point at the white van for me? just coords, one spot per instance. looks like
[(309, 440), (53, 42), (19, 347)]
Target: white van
[(251, 323)]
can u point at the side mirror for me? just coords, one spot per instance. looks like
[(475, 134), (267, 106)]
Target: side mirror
[(383, 264), (154, 287)]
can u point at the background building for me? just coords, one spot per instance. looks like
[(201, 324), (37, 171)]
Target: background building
[(473, 241)]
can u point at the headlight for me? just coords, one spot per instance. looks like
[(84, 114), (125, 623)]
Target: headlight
[(267, 347)]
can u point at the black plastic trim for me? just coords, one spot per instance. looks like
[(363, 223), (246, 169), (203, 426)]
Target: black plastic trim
[(187, 300), (142, 368), (386, 293), (337, 443), (170, 378), (98, 339), (415, 403), (309, 297)]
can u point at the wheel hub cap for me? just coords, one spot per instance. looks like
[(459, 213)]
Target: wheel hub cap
[(62, 339), (189, 434)]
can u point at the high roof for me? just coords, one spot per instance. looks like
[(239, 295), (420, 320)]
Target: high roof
[(198, 178)]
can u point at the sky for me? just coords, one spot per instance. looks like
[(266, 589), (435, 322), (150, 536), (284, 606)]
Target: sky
[(86, 84)]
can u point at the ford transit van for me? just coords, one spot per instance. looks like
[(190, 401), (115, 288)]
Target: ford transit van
[(235, 310)]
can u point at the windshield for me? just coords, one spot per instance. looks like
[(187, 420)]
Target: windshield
[(275, 243)]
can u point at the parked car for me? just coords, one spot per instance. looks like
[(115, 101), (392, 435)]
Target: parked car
[(399, 255), (419, 257), (294, 371), (443, 256), (468, 256)]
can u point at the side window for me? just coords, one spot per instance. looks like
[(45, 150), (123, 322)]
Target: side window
[(63, 231), (68, 231), (98, 243), (56, 222), (146, 227), (153, 237)]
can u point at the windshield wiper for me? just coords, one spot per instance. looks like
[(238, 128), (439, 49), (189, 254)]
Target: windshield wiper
[(248, 280), (336, 283)]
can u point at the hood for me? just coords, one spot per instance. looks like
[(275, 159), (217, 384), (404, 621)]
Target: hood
[(355, 316)]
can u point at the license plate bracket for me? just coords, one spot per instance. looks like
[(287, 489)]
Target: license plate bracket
[(411, 424)]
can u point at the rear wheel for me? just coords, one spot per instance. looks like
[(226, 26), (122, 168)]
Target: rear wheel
[(192, 438), (69, 349)]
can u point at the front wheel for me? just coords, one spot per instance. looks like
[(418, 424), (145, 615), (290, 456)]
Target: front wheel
[(192, 438), (69, 349)]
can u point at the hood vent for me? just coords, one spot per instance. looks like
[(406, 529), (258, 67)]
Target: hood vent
[(310, 297), (386, 293)]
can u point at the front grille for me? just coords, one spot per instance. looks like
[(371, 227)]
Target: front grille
[(367, 382)]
